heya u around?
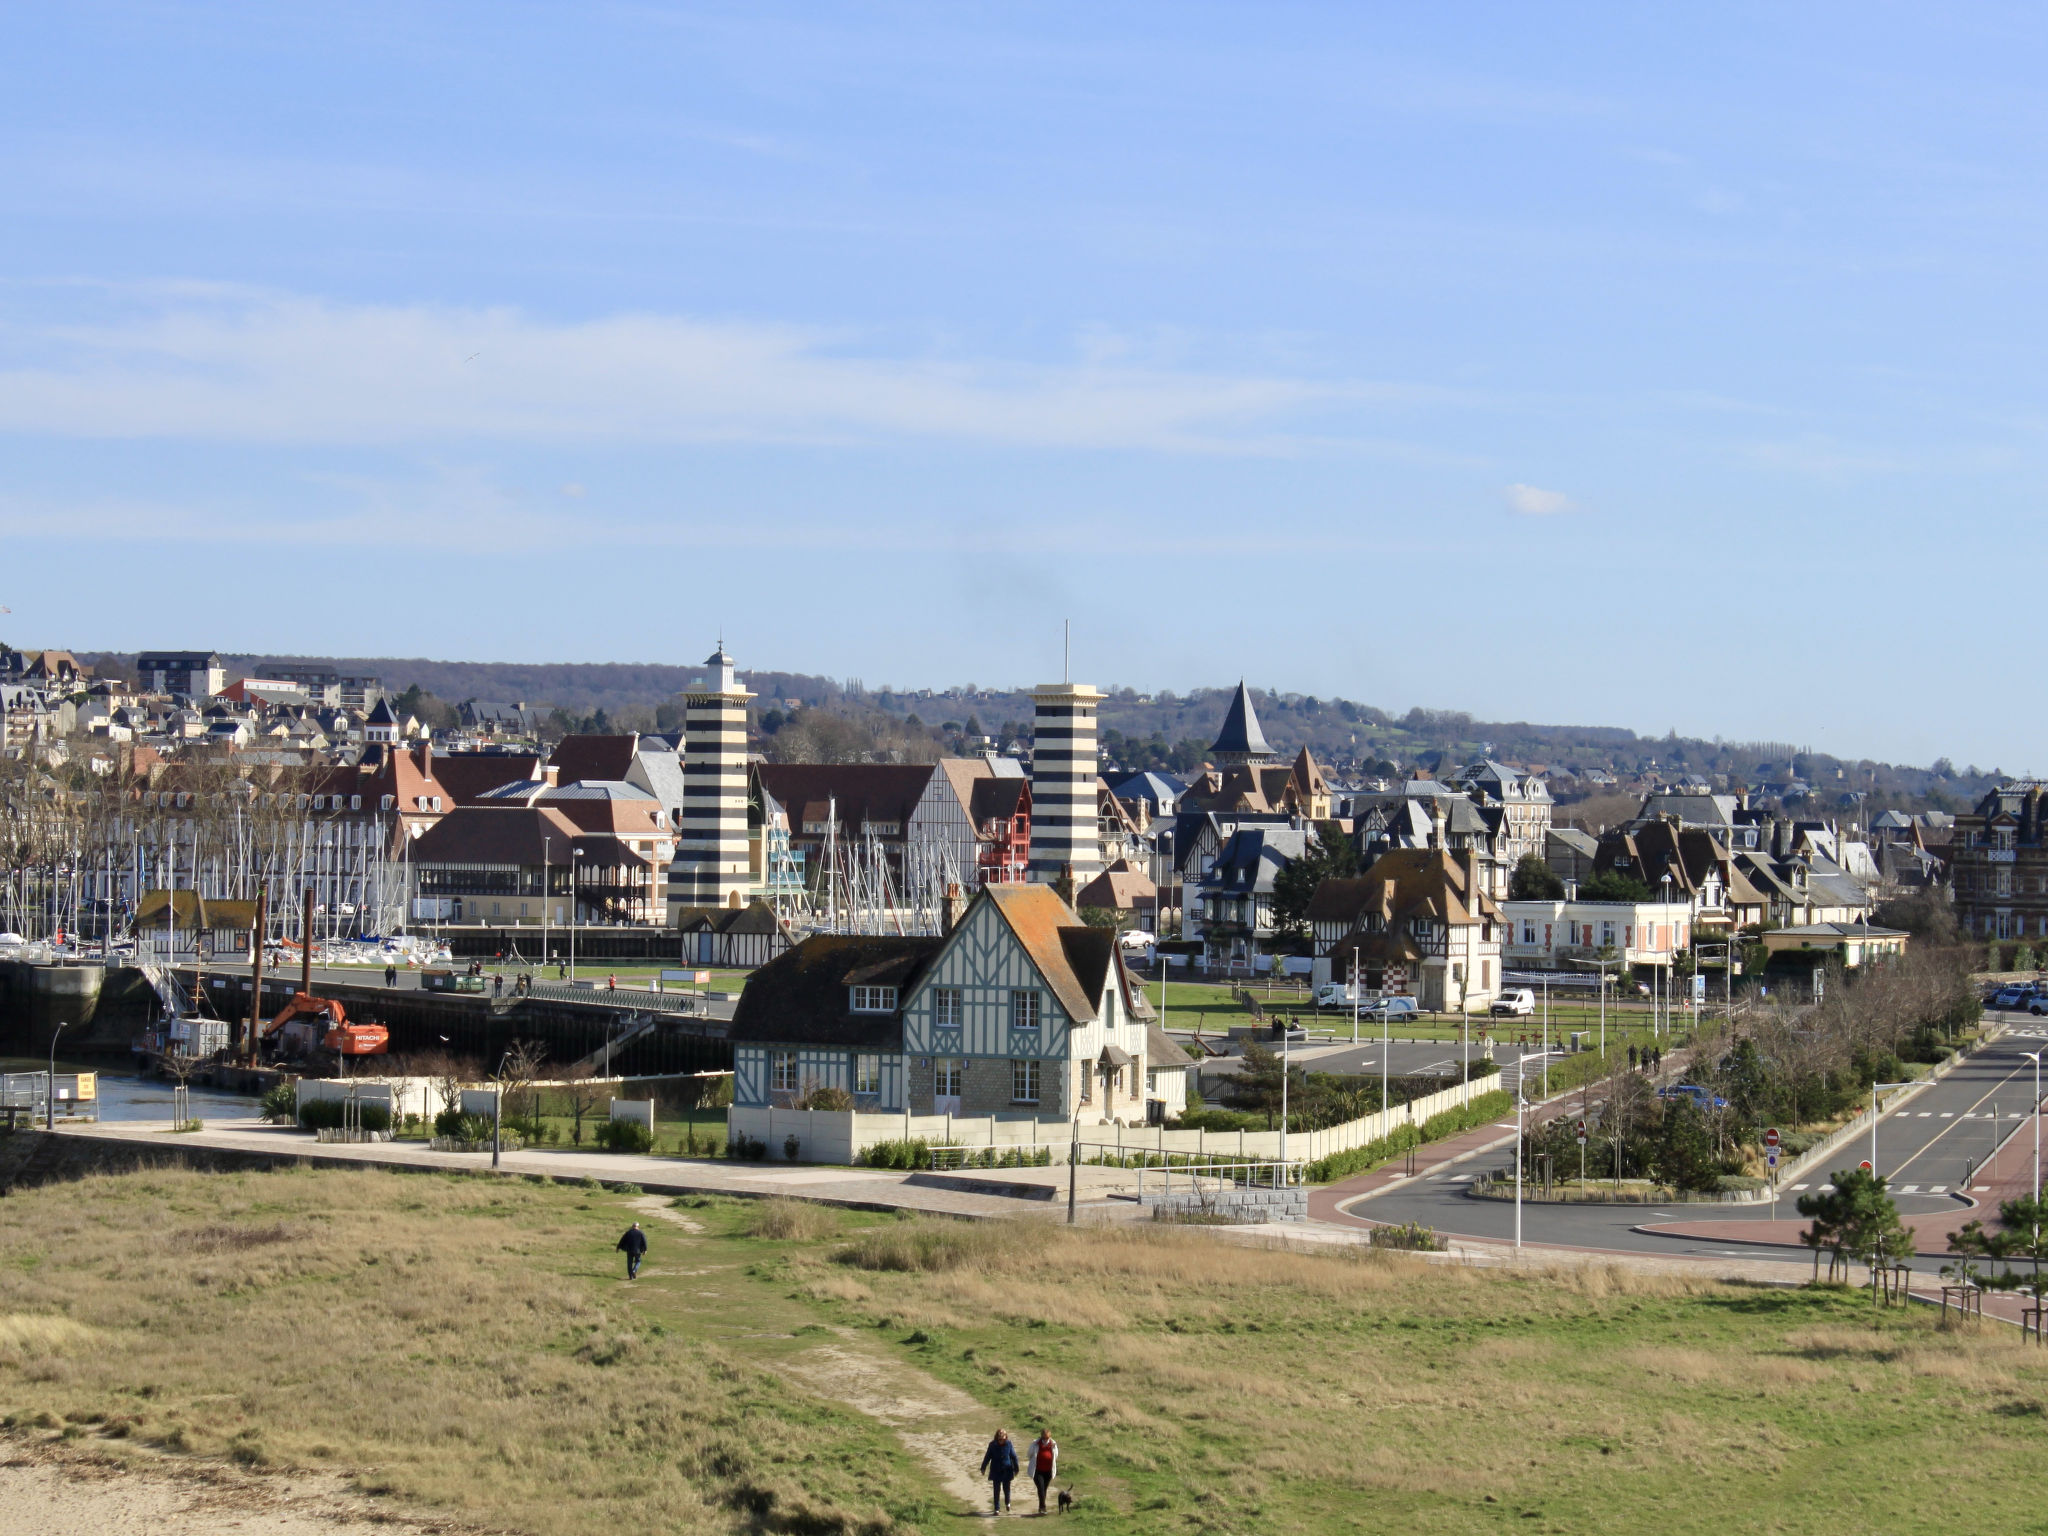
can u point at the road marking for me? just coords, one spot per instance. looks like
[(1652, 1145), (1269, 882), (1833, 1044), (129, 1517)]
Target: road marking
[(1948, 1114), (1909, 1189), (1463, 1178), (1802, 1186), (1937, 1189)]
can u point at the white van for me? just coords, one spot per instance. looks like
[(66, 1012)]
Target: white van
[(1516, 1002)]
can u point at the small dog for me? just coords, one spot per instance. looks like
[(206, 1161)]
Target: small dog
[(1066, 1500)]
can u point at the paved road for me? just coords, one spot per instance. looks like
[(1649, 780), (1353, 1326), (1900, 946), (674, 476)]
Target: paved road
[(1922, 1147), (410, 981)]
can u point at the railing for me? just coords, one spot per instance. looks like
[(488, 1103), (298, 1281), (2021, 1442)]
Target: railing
[(691, 1004)]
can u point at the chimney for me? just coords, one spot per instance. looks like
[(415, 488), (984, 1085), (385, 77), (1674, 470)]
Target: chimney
[(951, 907), (1437, 817), (427, 758), (1472, 891)]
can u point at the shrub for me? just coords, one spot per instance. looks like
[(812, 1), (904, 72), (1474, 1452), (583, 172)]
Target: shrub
[(827, 1098), (624, 1136), (900, 1153), (326, 1114), (280, 1105), (935, 1245), (449, 1122), (789, 1219), (1410, 1236), (791, 1145), (749, 1147)]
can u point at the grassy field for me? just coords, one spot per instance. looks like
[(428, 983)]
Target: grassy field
[(470, 1347)]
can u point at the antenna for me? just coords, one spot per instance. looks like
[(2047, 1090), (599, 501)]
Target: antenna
[(1066, 650)]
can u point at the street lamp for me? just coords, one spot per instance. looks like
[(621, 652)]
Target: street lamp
[(50, 1086), (575, 853), (1521, 1104), (2035, 1058), (1668, 936)]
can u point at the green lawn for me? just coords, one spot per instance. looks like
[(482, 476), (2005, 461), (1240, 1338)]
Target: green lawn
[(470, 1347)]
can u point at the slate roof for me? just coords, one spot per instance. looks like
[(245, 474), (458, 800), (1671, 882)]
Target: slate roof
[(864, 791), (491, 834), (803, 996), (468, 776), (1241, 736), (593, 757)]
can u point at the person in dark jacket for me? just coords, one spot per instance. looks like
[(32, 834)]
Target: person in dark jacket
[(999, 1461), (634, 1246)]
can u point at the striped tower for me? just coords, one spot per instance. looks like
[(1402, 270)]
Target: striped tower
[(710, 866), (1064, 830)]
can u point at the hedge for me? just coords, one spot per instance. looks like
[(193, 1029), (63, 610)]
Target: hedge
[(1341, 1165)]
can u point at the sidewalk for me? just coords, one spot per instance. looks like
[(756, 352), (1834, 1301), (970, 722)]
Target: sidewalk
[(857, 1188)]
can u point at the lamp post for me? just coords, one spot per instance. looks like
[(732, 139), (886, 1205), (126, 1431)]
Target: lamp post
[(1283, 1095), (545, 893), (497, 1111), (50, 1083), (1668, 936), (1521, 1104), (575, 853), (2035, 1058)]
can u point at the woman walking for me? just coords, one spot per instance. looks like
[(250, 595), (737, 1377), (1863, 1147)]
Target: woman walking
[(999, 1461)]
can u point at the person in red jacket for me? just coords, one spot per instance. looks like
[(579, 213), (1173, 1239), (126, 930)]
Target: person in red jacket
[(1044, 1460)]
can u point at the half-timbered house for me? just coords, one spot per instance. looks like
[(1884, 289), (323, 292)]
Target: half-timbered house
[(1021, 1009)]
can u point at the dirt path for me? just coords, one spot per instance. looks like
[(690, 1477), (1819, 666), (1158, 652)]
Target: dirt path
[(50, 1494), (938, 1424)]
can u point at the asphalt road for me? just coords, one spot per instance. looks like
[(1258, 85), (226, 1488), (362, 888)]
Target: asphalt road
[(1923, 1147), (410, 981)]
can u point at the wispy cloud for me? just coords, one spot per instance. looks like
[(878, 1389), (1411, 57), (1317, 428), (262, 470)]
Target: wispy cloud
[(1530, 501), (229, 366)]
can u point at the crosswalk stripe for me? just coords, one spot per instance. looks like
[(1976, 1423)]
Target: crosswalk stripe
[(1909, 1189), (1802, 1186), (1937, 1189)]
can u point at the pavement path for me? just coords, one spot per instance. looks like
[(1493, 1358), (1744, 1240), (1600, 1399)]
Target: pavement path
[(965, 1194)]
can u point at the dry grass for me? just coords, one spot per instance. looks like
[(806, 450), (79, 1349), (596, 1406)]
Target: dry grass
[(1226, 1388), (460, 1344), (790, 1221)]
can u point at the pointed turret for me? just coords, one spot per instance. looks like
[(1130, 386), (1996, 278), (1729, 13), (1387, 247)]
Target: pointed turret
[(1241, 741)]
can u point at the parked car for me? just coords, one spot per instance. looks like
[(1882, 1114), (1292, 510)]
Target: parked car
[(1392, 1008), (1696, 1093), (2017, 995), (1516, 1002)]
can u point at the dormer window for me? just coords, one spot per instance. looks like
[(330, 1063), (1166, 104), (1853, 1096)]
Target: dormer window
[(874, 999)]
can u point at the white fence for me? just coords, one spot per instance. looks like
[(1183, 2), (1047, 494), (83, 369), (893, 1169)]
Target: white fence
[(837, 1136)]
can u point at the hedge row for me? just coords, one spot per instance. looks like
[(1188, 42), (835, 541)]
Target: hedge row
[(1342, 1165)]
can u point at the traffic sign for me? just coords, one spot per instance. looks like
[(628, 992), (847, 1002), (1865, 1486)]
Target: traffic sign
[(1865, 1166), (1771, 1157), (1771, 1138), (1582, 1133)]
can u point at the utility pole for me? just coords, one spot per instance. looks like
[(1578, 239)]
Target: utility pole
[(256, 935)]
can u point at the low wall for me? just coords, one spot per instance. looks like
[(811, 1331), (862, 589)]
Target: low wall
[(838, 1136)]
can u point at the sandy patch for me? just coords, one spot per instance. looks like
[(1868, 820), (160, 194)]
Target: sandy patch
[(952, 1428), (54, 1497), (658, 1207)]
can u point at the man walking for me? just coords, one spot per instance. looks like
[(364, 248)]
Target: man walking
[(390, 975), (1045, 1463), (999, 1461), (634, 1246)]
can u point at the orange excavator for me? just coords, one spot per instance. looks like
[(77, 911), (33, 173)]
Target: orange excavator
[(311, 1023)]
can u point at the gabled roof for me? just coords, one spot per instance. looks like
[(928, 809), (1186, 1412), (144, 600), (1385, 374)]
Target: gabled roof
[(1037, 916), (517, 835), (864, 791), (468, 776), (1241, 736), (381, 714), (593, 757), (803, 996)]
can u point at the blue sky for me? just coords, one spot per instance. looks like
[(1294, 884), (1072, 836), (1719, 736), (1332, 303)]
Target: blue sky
[(1611, 365)]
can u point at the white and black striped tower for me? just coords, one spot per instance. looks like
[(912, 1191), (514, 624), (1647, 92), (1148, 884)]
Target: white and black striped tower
[(1065, 835), (711, 847)]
